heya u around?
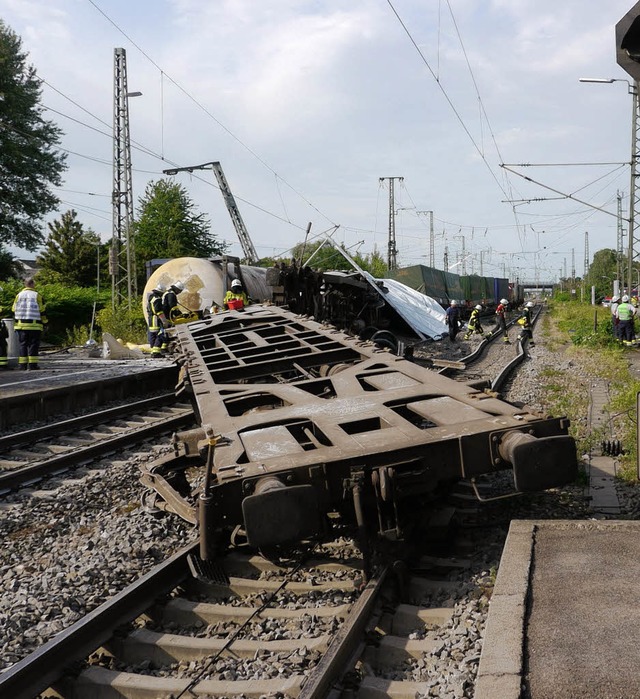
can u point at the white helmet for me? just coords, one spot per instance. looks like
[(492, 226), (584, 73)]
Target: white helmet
[(236, 284), (160, 288), (503, 301), (625, 298), (615, 299), (177, 286), (530, 304), (478, 307), (454, 302)]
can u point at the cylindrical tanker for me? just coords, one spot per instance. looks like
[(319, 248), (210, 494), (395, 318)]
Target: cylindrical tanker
[(206, 281)]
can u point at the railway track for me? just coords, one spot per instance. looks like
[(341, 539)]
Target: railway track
[(168, 666), (265, 630), (30, 455), (488, 363)]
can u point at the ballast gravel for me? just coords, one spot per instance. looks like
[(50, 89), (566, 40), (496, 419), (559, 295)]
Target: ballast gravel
[(69, 548)]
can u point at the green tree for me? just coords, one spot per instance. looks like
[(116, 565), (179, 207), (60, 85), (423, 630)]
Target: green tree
[(324, 256), (168, 226), (70, 254), (373, 263), (329, 257), (602, 272), (29, 160)]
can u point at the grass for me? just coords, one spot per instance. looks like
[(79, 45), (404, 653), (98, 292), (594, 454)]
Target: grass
[(583, 336)]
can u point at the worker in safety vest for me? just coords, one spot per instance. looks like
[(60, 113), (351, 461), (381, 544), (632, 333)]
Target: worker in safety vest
[(474, 327), (236, 293), (28, 310), (4, 335), (625, 313)]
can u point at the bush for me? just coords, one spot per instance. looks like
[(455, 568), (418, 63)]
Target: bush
[(124, 324), (70, 310)]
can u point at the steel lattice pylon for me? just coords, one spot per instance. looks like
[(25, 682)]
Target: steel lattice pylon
[(392, 250), (628, 58), (122, 256), (633, 251)]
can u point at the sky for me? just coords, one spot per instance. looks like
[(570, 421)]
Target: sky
[(311, 106)]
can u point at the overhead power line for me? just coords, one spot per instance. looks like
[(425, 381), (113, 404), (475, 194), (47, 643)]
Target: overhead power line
[(209, 114)]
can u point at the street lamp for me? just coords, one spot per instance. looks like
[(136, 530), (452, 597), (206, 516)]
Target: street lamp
[(635, 126)]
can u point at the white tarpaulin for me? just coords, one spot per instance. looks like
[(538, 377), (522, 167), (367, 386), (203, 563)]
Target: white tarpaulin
[(425, 315)]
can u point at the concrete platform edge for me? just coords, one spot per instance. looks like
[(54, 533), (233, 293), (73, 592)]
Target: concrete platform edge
[(501, 662)]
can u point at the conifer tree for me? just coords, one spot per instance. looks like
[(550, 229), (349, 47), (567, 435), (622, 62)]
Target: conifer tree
[(70, 256), (30, 164), (168, 226)]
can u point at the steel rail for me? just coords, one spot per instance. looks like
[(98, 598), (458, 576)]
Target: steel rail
[(39, 670), (341, 649), (502, 377), (65, 426), (490, 337), (12, 479)]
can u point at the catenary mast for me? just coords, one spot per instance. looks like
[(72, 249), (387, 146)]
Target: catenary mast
[(122, 254)]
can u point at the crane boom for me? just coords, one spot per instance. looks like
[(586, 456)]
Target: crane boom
[(245, 241), (248, 249)]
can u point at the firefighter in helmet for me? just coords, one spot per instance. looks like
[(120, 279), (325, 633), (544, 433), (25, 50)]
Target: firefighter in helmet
[(527, 325), (474, 327), (157, 321), (170, 304), (236, 293), (501, 320)]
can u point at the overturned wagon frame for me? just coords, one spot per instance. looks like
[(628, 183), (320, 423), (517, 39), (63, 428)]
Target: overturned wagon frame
[(301, 424)]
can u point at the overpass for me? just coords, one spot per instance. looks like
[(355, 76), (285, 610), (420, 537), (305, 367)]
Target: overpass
[(538, 285)]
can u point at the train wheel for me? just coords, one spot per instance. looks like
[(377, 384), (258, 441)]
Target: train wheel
[(386, 339)]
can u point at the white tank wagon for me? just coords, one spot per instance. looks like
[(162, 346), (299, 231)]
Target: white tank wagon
[(206, 281)]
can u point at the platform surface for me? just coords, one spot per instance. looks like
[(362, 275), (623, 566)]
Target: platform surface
[(65, 383), (564, 620), (70, 368)]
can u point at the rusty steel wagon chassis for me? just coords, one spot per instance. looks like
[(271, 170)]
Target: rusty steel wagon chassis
[(302, 425)]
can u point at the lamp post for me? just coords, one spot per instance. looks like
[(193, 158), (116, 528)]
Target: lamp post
[(633, 198)]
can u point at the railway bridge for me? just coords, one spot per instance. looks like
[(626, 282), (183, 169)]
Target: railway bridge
[(539, 287)]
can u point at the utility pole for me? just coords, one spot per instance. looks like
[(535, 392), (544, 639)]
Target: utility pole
[(628, 58), (619, 239), (392, 250), (463, 268), (432, 248), (573, 266), (122, 261), (586, 254), (634, 199)]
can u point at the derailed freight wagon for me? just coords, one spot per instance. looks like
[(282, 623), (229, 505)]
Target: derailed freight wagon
[(468, 290), (304, 428)]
